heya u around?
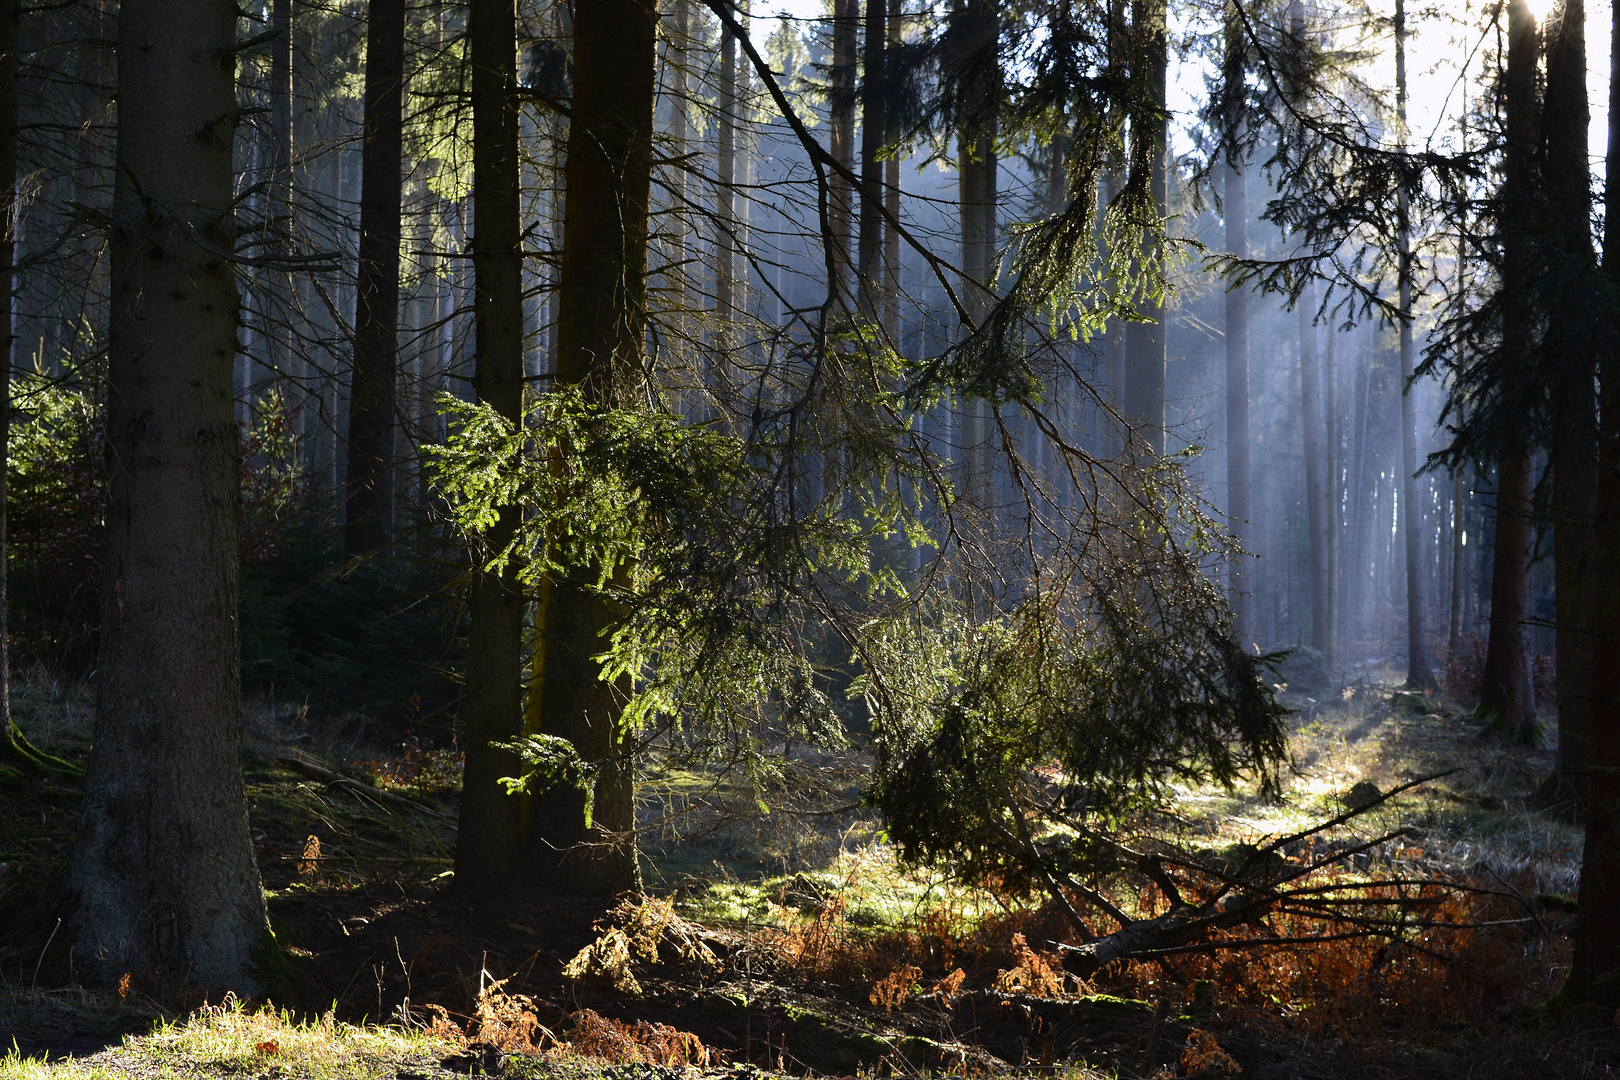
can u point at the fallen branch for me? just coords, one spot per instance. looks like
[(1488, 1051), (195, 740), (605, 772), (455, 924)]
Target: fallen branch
[(1258, 887), (336, 780)]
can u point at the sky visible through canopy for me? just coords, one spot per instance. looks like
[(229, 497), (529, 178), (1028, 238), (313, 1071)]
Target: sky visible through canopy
[(1444, 36)]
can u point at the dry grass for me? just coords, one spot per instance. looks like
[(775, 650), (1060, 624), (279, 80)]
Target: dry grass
[(230, 1039)]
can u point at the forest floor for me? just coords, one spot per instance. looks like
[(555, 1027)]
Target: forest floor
[(793, 942)]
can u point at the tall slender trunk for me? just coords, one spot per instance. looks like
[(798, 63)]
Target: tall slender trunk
[(1419, 670), (1312, 424), (891, 203), (15, 749), (163, 869), (279, 291), (1330, 429), (1595, 972), (874, 131), (1565, 119), (1316, 497), (676, 58), (1507, 696), (1145, 341), (601, 324), (1239, 508), (841, 201), (976, 165), (725, 262), (1459, 492), (489, 838), (1358, 497), (369, 500)]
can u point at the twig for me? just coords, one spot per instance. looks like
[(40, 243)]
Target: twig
[(33, 982)]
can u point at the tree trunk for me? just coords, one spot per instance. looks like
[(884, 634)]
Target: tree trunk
[(1566, 116), (1594, 975), (1145, 341), (977, 182), (874, 129), (1316, 495), (489, 839), (676, 57), (1419, 670), (1507, 696), (279, 284), (163, 870), (841, 121), (1458, 550), (601, 325), (891, 203), (725, 261), (369, 501), (1235, 205), (15, 749), (1330, 469)]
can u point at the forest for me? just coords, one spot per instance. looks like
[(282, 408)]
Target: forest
[(647, 538)]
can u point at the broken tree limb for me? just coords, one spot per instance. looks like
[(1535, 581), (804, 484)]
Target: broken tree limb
[(336, 780)]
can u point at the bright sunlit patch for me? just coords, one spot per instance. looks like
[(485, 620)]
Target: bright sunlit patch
[(1540, 9)]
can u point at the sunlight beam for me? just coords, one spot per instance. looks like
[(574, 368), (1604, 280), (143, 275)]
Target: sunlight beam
[(1540, 9)]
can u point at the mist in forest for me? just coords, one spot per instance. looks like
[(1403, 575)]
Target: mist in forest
[(990, 418)]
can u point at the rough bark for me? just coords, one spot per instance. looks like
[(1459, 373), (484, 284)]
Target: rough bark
[(874, 130), (369, 499), (279, 283), (1419, 670), (677, 56), (15, 749), (725, 266), (1507, 696), (1145, 341), (1330, 468), (1594, 977), (1235, 205), (979, 76), (841, 137), (1565, 119), (1458, 550), (1316, 496), (601, 324), (489, 839), (891, 203), (163, 871)]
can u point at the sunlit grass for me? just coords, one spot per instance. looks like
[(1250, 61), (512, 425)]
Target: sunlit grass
[(232, 1039)]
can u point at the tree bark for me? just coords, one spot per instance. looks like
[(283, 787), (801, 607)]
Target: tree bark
[(1458, 550), (725, 266), (1316, 496), (15, 749), (1507, 696), (489, 839), (979, 74), (1235, 205), (1419, 670), (1565, 119), (601, 325), (1145, 341), (369, 499), (1594, 976), (1330, 469), (891, 203), (279, 291), (163, 870), (874, 130), (841, 120)]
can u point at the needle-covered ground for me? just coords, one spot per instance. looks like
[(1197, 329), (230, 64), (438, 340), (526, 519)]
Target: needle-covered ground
[(794, 943)]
